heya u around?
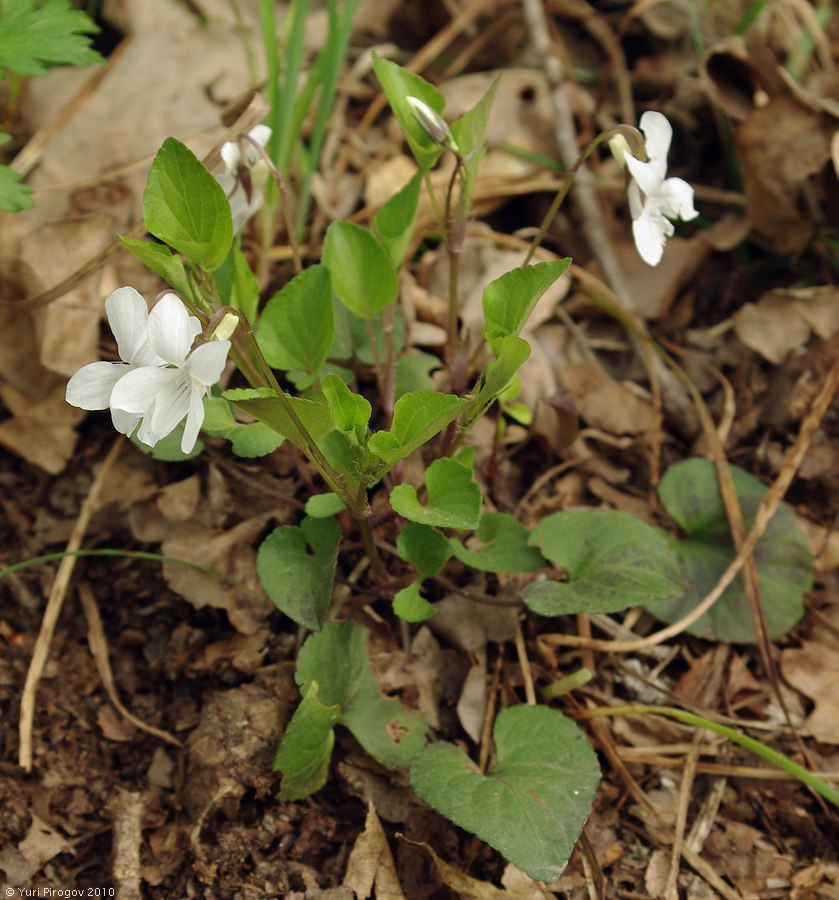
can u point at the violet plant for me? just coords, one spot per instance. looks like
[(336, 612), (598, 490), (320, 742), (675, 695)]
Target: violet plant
[(298, 356)]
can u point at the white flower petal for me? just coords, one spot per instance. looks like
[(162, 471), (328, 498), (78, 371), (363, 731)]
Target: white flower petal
[(636, 199), (128, 317), (172, 405), (649, 236), (146, 434), (124, 422), (646, 174), (138, 391), (91, 386), (194, 421), (231, 156), (206, 362), (676, 199), (261, 134), (172, 329), (658, 134)]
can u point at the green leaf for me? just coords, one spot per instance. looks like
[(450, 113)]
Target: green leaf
[(532, 804), (612, 560), (14, 194), (454, 499), (337, 659), (410, 606), (37, 35), (512, 352), (237, 285), (417, 417), (398, 84), (690, 494), (247, 440), (168, 449), (469, 132), (160, 259), (254, 439), (349, 411), (352, 336), (296, 566), (263, 404), (509, 300), (306, 747), (185, 207), (296, 327), (323, 506), (413, 372), (424, 548), (504, 547), (394, 222), (362, 275)]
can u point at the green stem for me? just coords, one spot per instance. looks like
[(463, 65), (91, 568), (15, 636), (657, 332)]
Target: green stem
[(357, 505), (454, 249), (635, 141), (812, 781)]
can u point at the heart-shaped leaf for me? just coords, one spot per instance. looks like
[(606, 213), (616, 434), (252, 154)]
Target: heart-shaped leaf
[(424, 548), (504, 547), (532, 805), (337, 659), (297, 580), (306, 748), (612, 560), (410, 605), (690, 493), (454, 499)]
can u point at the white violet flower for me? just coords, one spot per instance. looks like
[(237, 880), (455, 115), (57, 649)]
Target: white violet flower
[(245, 194), (654, 199), (162, 380), (91, 386), (162, 396)]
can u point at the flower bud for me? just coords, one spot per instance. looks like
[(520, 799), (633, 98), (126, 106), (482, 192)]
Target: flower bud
[(618, 145), (224, 330), (433, 123)]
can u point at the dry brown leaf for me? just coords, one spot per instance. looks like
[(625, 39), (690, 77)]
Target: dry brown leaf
[(371, 863), (229, 552), (652, 290), (179, 501), (522, 886), (781, 320), (818, 882), (780, 147), (811, 669), (43, 431), (68, 328), (464, 885), (729, 77), (824, 545), (603, 403), (42, 843)]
